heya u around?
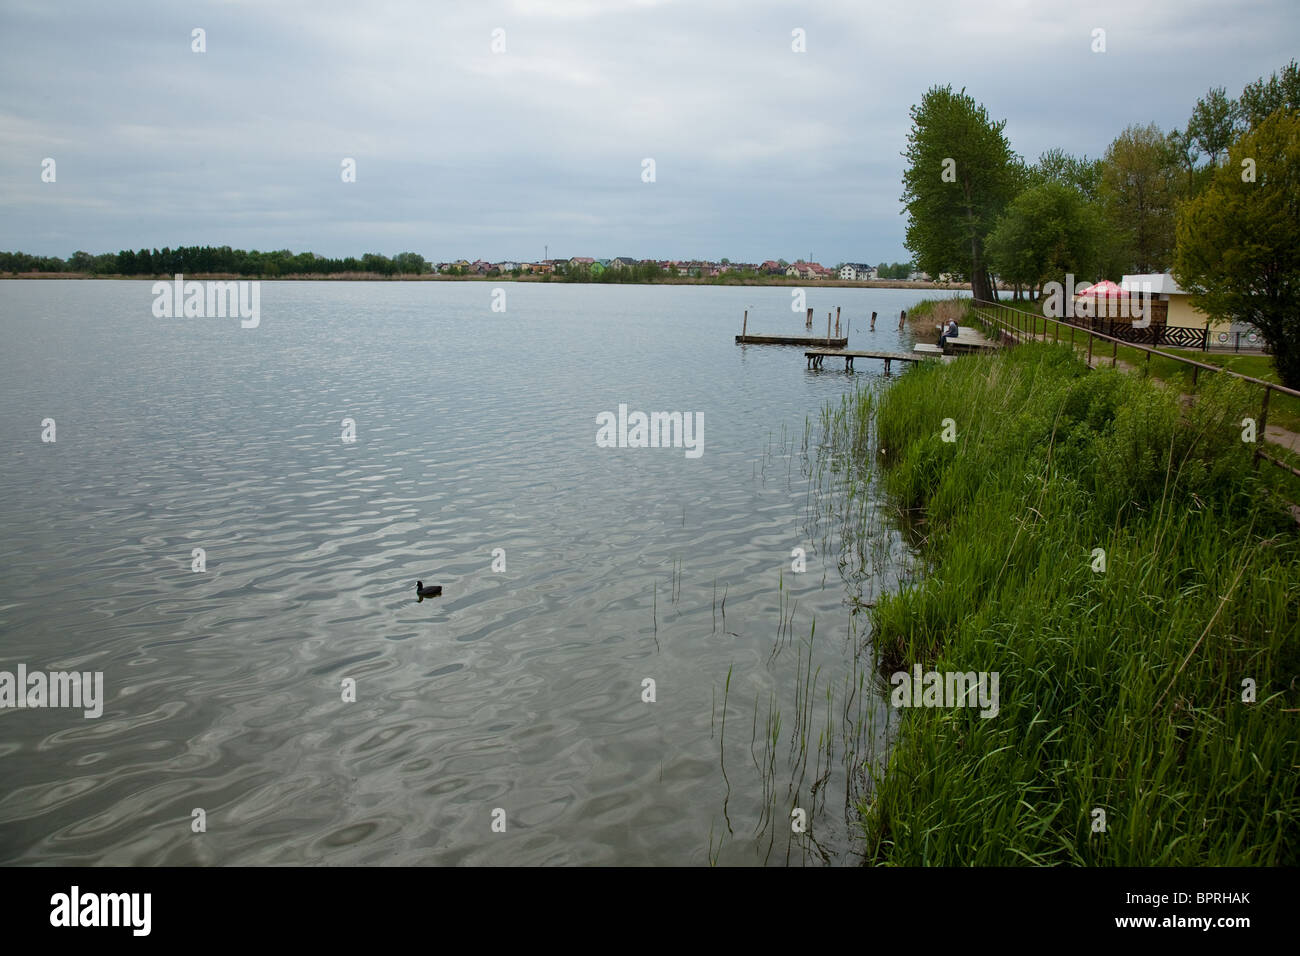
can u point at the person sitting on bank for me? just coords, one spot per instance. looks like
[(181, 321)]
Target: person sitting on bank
[(950, 332)]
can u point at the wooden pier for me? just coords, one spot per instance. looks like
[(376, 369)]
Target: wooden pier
[(968, 341), (804, 340), (816, 356), (827, 341)]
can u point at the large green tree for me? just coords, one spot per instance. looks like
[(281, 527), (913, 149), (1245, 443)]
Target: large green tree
[(1139, 186), (1047, 232), (1238, 251), (960, 175)]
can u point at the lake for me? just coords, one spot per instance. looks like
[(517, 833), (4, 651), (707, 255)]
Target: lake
[(518, 697)]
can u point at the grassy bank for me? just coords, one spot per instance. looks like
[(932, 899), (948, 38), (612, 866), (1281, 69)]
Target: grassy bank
[(1121, 690), (1284, 410)]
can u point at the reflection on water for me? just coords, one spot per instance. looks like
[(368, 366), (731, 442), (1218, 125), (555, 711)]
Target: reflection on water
[(520, 689)]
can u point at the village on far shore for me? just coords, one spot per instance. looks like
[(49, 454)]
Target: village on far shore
[(698, 268)]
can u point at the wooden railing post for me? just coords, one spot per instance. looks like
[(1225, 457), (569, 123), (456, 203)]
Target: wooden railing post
[(1114, 353), (1090, 348)]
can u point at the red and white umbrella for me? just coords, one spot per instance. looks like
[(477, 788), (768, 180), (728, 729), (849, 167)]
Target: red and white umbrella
[(1103, 290)]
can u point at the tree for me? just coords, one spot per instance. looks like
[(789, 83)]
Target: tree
[(1046, 232), (1238, 250), (1214, 123), (960, 176), (1138, 187), (1058, 166), (1263, 97)]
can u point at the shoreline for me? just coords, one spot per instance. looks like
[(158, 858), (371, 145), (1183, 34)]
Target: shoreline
[(787, 281), (1072, 581)]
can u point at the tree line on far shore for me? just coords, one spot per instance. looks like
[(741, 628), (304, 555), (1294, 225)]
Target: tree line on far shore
[(215, 259), (223, 260), (1213, 203)]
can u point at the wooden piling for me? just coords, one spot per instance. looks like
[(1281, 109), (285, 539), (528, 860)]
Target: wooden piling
[(808, 323), (828, 326), (745, 325), (837, 321), (902, 317), (873, 321)]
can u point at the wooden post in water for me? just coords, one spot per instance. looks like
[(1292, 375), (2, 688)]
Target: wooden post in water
[(745, 324), (873, 321), (828, 328), (808, 323), (902, 317), (837, 321)]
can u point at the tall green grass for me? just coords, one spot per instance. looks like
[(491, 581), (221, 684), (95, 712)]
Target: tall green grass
[(1121, 690)]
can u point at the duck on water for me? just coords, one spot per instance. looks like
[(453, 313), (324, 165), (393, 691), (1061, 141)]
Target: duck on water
[(432, 591)]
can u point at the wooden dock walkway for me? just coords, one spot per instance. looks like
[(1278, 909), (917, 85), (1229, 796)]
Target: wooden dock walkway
[(968, 340), (804, 340), (816, 356)]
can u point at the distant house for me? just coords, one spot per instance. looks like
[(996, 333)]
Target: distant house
[(622, 262), (918, 276), (771, 267), (848, 272), (581, 261), (507, 266)]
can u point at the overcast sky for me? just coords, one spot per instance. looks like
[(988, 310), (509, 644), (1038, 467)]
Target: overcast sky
[(760, 152)]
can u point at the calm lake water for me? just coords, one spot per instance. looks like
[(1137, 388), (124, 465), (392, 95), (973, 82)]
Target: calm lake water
[(518, 689)]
